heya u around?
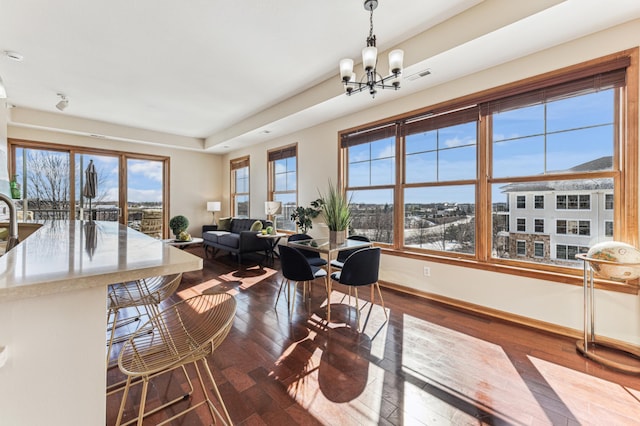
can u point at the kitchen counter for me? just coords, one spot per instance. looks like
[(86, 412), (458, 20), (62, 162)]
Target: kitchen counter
[(72, 255), (53, 292)]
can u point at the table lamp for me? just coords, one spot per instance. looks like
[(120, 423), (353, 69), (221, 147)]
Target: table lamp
[(271, 208), (213, 207)]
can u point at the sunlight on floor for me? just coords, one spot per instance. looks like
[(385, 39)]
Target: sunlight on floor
[(448, 363), (569, 384), (326, 378)]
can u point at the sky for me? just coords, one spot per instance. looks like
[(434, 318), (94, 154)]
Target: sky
[(529, 141)]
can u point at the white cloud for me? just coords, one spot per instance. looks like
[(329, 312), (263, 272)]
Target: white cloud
[(149, 169)]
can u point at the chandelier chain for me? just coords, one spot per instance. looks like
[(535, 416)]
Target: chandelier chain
[(371, 23)]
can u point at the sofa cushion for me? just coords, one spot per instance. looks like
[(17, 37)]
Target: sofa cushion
[(229, 239), (213, 236), (241, 224), (224, 224), (256, 226)]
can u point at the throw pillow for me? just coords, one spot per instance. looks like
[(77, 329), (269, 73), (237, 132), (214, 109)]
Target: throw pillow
[(224, 224), (257, 226)]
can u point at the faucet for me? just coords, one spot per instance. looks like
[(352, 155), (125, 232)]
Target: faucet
[(13, 222)]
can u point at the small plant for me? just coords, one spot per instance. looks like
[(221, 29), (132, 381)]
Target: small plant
[(178, 224), (303, 216)]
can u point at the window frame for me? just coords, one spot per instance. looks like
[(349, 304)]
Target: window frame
[(538, 202), (624, 173), (288, 151), (123, 156), (236, 164)]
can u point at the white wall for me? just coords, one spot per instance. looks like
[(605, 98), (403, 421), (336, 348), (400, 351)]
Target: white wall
[(194, 176), (556, 303)]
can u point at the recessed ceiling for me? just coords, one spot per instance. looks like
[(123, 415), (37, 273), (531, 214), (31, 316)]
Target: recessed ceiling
[(207, 68)]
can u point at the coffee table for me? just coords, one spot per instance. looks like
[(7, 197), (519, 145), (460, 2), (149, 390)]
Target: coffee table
[(183, 244)]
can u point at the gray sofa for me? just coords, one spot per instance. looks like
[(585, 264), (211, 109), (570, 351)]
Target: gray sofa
[(238, 240)]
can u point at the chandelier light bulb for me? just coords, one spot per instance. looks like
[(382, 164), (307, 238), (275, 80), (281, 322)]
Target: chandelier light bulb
[(395, 61), (369, 57), (346, 69)]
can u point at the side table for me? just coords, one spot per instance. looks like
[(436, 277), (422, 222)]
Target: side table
[(273, 240), (183, 244)]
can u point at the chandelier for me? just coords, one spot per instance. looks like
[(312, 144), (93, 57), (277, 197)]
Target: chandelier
[(374, 80)]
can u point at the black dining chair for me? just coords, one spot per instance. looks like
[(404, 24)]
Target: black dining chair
[(312, 257), (359, 269), (338, 262), (296, 268)]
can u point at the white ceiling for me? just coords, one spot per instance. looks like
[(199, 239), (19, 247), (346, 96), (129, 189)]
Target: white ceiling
[(225, 71)]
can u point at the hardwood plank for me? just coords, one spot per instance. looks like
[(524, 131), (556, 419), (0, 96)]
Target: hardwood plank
[(428, 364)]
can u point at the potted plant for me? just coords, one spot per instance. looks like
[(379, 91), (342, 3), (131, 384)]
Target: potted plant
[(178, 224), (303, 216), (336, 211)]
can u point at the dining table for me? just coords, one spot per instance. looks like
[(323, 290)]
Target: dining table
[(329, 250)]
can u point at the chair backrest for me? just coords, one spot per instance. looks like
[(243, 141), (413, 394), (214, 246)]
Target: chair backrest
[(362, 267), (294, 265), (301, 237), (342, 255)]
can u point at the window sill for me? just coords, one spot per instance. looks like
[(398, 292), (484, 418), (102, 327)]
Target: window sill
[(562, 277)]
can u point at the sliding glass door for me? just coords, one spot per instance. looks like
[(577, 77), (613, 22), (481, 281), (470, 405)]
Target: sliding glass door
[(145, 185), (105, 205), (44, 176), (131, 189)]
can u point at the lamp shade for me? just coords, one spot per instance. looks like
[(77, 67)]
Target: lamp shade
[(272, 207), (346, 69), (213, 206), (3, 91), (395, 61), (369, 57)]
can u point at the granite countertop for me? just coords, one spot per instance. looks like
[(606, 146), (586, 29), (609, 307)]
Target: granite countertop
[(74, 255)]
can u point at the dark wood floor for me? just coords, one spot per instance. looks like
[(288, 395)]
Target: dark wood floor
[(429, 364)]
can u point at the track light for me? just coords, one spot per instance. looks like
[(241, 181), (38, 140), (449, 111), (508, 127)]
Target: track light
[(64, 102)]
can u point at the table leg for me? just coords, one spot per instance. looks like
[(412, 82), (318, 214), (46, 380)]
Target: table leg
[(328, 288)]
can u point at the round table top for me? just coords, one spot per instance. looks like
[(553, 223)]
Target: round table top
[(174, 242), (276, 235)]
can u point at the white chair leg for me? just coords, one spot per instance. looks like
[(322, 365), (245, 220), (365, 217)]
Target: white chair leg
[(382, 301)]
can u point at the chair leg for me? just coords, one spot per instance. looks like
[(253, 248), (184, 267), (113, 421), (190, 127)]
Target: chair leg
[(292, 297), (357, 309), (279, 292), (217, 392), (381, 300)]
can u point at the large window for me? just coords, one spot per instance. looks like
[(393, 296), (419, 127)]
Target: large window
[(131, 187), (566, 136), (370, 181), (283, 184), (240, 187)]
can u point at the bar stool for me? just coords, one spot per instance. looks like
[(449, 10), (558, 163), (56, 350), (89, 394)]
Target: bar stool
[(184, 333), (144, 296)]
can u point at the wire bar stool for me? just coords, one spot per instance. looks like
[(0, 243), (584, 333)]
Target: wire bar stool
[(184, 333)]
